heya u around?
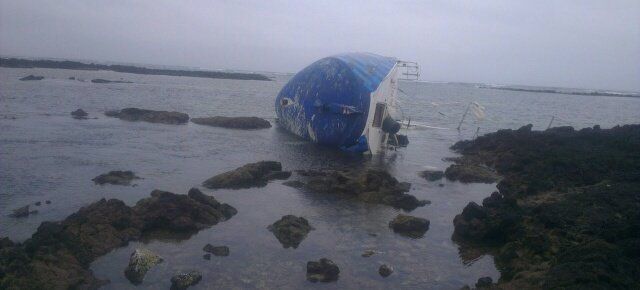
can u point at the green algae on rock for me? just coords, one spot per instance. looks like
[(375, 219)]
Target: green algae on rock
[(290, 230), (140, 262)]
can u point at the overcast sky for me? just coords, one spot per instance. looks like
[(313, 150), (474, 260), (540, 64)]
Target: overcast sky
[(585, 44)]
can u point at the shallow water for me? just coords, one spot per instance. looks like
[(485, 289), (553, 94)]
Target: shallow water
[(47, 155)]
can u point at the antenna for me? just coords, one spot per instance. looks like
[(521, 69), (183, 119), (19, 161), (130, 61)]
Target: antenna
[(410, 70)]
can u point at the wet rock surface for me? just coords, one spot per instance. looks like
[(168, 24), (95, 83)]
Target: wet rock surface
[(140, 262), (369, 185), (220, 251), (323, 270), (185, 280), (163, 117), (409, 226), (250, 175), (484, 282), (567, 212), (246, 123), (290, 230), (385, 270), (79, 114), (32, 78), (468, 173), (116, 177), (432, 175), (22, 212), (58, 255), (103, 81)]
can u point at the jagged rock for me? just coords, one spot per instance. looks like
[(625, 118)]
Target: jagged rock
[(484, 282), (22, 212), (115, 177), (250, 175), (385, 270), (290, 230), (135, 114), (103, 81), (220, 251), (468, 173), (233, 122), (140, 262), (79, 114), (59, 254), (32, 78), (432, 175), (323, 270), (185, 280), (410, 226), (370, 185)]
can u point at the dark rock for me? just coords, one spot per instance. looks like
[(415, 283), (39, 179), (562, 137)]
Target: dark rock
[(47, 202), (432, 175), (38, 203), (59, 254), (115, 177), (250, 175), (234, 122), (484, 282), (135, 114), (294, 183), (220, 251), (32, 78), (140, 262), (441, 185), (206, 256), (22, 212), (185, 280), (409, 226), (385, 270), (290, 230), (79, 114), (368, 253), (468, 173), (370, 185), (323, 270), (226, 210), (72, 78), (103, 81)]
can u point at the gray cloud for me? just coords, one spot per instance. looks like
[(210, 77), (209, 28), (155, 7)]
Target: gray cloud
[(587, 44)]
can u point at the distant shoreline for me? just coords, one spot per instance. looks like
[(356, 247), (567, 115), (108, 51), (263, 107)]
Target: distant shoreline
[(554, 91), (67, 64)]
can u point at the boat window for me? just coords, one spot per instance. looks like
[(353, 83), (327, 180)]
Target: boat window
[(284, 102), (377, 118)]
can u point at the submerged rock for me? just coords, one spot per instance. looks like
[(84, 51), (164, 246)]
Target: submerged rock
[(103, 81), (116, 177), (220, 251), (294, 183), (140, 262), (484, 282), (409, 226), (368, 253), (385, 270), (468, 173), (59, 254), (135, 114), (79, 114), (370, 185), (233, 122), (32, 78), (250, 175), (185, 280), (432, 175), (323, 270), (22, 212), (206, 256), (290, 230)]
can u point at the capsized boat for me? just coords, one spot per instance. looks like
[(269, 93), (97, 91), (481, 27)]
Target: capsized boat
[(345, 101)]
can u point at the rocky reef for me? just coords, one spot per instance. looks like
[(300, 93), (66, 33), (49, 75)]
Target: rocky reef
[(58, 255), (116, 177), (323, 270), (290, 230), (246, 123), (370, 185), (163, 117), (250, 175), (410, 226), (567, 213)]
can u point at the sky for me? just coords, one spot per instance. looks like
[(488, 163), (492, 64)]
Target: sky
[(571, 43)]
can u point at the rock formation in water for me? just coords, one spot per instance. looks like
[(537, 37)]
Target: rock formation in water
[(290, 230), (140, 261), (103, 81), (567, 214), (32, 78), (135, 114), (58, 255), (369, 185), (385, 270), (116, 177), (79, 114), (220, 251), (246, 123), (468, 173), (323, 270), (185, 280), (250, 175), (22, 212), (409, 226), (431, 175)]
